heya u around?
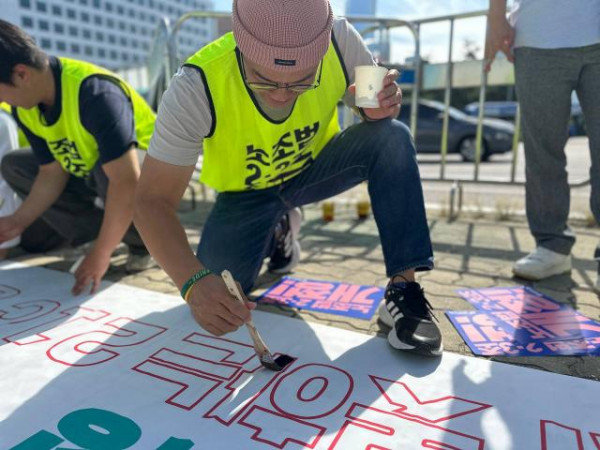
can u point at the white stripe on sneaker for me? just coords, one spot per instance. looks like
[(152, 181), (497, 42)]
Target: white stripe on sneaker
[(385, 315), (397, 343)]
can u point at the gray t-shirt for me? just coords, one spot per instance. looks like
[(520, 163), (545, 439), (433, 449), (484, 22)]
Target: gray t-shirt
[(554, 24), (184, 116)]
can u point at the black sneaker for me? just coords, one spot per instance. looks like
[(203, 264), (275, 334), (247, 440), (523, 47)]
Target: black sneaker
[(406, 310), (286, 252)]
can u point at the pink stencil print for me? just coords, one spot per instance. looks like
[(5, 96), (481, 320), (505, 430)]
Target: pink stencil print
[(278, 431), (202, 366), (303, 291), (312, 391), (241, 392), (490, 329), (223, 373), (58, 323), (337, 298), (245, 386), (596, 439), (220, 349), (199, 369), (563, 324), (525, 302), (372, 428), (95, 347), (194, 387), (407, 404), (556, 436), (26, 311), (7, 291)]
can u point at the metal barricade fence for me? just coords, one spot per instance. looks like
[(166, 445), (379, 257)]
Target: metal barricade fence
[(159, 72)]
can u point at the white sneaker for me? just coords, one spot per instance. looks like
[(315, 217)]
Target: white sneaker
[(137, 263), (542, 263)]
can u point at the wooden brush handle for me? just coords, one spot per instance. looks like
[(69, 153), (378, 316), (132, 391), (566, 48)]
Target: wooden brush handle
[(259, 344)]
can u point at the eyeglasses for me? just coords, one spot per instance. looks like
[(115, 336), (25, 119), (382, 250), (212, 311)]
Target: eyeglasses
[(265, 86)]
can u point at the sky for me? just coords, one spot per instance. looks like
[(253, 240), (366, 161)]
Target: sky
[(434, 37)]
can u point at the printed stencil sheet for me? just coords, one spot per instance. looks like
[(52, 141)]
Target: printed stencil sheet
[(519, 321), (129, 368), (342, 299)]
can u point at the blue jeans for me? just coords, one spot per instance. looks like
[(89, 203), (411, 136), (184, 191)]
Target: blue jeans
[(238, 234)]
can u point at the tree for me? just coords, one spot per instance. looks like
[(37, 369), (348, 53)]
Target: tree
[(471, 51)]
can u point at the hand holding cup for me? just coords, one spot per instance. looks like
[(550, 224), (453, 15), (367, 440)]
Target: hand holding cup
[(377, 92)]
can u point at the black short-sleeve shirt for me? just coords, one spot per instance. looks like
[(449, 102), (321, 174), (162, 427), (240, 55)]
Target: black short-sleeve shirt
[(105, 112)]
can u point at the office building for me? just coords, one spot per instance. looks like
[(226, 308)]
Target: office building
[(116, 34)]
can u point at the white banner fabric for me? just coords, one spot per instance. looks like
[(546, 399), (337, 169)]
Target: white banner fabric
[(129, 368)]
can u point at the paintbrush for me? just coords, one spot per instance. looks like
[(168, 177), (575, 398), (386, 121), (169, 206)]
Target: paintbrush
[(261, 349)]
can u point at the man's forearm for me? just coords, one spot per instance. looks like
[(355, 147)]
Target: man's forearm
[(163, 234), (118, 215), (497, 9), (47, 187)]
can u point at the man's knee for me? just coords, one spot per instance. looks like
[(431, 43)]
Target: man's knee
[(7, 168), (40, 237), (401, 135), (19, 166), (396, 142)]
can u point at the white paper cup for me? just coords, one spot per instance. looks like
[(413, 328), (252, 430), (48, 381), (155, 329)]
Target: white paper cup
[(369, 82)]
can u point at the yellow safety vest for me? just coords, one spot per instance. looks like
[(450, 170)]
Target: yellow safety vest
[(247, 150), (23, 143), (70, 143)]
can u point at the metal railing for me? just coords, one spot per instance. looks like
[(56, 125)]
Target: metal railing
[(456, 189), (173, 61), (415, 27), (482, 95), (159, 72)]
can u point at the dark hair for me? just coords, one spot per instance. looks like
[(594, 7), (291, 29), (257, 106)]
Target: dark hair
[(17, 47)]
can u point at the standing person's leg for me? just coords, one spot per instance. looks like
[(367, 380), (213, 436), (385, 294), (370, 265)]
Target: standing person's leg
[(545, 80), (238, 233), (383, 154), (73, 218), (588, 91)]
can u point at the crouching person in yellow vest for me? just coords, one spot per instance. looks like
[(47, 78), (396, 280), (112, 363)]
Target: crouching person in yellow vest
[(261, 103), (78, 180)]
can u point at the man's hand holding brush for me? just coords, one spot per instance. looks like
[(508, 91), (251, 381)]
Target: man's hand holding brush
[(214, 308)]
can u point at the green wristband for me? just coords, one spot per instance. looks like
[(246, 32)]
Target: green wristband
[(185, 290)]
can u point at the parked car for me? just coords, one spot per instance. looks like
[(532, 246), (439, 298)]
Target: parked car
[(495, 110), (508, 111), (462, 129)]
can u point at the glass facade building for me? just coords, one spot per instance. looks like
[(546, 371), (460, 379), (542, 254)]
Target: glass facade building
[(115, 34)]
